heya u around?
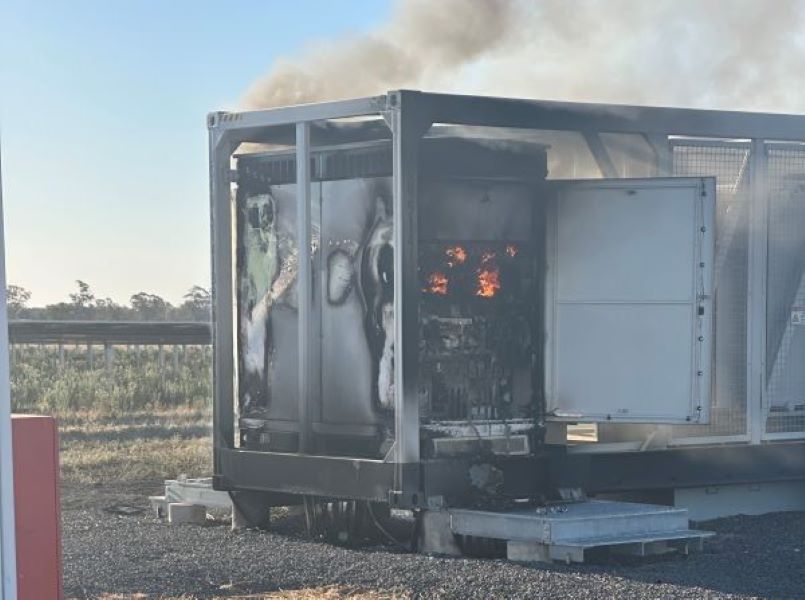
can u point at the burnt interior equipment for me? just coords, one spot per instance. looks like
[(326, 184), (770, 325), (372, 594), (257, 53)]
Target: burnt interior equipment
[(415, 295), (480, 276)]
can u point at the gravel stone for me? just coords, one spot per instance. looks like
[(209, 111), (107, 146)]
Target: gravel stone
[(750, 557)]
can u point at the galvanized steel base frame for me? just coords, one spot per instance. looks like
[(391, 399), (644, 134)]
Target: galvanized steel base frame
[(403, 479)]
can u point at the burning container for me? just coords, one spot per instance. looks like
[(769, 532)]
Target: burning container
[(435, 301)]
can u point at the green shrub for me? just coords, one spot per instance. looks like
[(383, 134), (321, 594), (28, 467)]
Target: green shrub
[(44, 381)]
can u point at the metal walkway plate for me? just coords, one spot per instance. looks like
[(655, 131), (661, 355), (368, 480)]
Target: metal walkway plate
[(564, 531)]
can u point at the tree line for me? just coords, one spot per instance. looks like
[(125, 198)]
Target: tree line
[(84, 305)]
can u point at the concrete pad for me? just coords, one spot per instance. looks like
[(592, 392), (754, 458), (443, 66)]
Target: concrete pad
[(239, 520), (527, 552), (159, 506), (184, 513), (437, 536)]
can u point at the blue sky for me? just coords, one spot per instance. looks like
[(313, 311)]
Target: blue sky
[(102, 110)]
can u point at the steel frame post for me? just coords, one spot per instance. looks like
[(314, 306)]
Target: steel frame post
[(600, 154), (756, 294), (664, 167), (304, 281), (663, 153), (408, 124), (223, 313)]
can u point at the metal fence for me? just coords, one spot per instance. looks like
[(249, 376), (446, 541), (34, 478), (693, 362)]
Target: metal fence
[(728, 161), (109, 335), (784, 405)]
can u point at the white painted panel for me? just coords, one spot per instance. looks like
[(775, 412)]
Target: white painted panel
[(718, 501), (625, 244), (629, 300), (624, 361)]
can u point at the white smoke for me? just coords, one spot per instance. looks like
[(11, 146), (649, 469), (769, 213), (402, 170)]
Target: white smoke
[(739, 54)]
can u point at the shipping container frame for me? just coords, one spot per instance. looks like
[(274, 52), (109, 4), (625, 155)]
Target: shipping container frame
[(408, 115)]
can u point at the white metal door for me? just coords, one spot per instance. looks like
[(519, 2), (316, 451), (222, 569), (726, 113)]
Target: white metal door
[(629, 300)]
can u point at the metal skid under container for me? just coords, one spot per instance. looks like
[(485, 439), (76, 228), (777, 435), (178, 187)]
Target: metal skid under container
[(418, 297)]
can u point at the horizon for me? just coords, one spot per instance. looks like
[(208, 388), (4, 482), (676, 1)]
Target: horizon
[(99, 295)]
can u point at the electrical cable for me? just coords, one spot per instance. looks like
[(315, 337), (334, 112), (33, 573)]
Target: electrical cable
[(382, 529)]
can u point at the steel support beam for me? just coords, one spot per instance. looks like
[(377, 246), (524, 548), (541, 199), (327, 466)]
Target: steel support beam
[(278, 124), (679, 467), (340, 109), (611, 118), (529, 114), (600, 154), (305, 475), (663, 154), (406, 289), (304, 282), (223, 291), (756, 294)]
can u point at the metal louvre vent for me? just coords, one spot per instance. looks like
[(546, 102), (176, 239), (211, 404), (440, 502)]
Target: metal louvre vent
[(728, 161), (260, 171), (784, 401), (440, 157)]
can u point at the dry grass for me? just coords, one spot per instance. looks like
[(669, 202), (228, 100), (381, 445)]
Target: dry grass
[(103, 449), (108, 459)]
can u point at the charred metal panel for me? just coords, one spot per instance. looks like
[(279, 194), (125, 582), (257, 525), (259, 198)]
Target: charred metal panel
[(267, 303), (357, 338), (476, 211), (468, 196), (480, 259), (303, 474), (267, 306)]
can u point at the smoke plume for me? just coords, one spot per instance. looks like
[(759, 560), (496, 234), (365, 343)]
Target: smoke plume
[(425, 41), (741, 54)]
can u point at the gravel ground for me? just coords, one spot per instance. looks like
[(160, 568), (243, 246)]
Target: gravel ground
[(109, 553)]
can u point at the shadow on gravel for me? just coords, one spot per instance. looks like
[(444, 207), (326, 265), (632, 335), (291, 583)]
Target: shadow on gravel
[(750, 556)]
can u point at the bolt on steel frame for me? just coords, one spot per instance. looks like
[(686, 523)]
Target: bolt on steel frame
[(408, 116)]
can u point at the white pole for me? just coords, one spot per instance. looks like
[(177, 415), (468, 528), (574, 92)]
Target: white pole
[(8, 552)]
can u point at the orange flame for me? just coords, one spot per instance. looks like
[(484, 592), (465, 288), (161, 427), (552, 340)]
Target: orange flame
[(437, 283), (512, 250), (488, 283), (488, 276), (457, 256)]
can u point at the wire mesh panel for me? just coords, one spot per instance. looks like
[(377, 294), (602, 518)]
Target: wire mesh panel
[(728, 161), (784, 401)]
